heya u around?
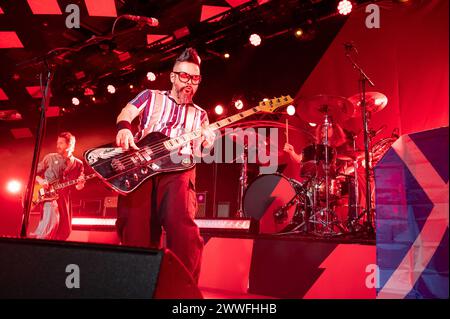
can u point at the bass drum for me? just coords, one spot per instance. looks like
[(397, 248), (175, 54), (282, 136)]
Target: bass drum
[(265, 197)]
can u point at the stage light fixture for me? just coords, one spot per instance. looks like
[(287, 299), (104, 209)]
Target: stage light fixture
[(238, 104), (344, 7), (111, 89), (13, 186), (151, 76), (75, 101), (299, 33), (290, 110), (218, 109), (255, 39)]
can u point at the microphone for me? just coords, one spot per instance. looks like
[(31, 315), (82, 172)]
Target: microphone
[(395, 133), (350, 46), (149, 21)]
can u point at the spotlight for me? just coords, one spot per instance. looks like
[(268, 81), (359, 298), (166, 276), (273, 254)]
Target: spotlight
[(13, 186), (290, 110), (75, 101), (218, 109), (344, 7), (312, 124), (299, 33), (226, 55), (131, 86), (255, 39), (93, 99), (238, 104), (111, 89), (151, 76)]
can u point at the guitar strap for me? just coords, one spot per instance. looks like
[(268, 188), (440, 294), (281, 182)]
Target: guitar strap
[(68, 168)]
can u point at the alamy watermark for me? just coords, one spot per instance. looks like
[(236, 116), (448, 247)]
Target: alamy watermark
[(373, 18), (73, 19), (260, 145), (73, 279)]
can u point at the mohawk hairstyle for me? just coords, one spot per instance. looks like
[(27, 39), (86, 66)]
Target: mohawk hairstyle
[(189, 55)]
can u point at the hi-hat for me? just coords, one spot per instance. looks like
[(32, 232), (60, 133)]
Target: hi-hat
[(313, 109), (375, 102)]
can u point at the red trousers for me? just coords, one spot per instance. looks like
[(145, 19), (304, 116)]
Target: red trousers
[(169, 202)]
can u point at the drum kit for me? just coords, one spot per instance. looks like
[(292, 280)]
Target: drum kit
[(327, 201)]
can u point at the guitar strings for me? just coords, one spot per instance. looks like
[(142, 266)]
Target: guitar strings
[(162, 147), (128, 163)]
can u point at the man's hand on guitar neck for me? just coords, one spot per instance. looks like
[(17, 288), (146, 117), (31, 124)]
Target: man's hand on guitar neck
[(208, 136), (81, 182)]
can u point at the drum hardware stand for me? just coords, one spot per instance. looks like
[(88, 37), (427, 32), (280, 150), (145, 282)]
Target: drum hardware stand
[(243, 182), (364, 79), (327, 211), (353, 214), (295, 225)]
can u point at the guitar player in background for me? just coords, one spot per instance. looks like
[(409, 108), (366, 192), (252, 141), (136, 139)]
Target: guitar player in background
[(167, 201), (56, 219)]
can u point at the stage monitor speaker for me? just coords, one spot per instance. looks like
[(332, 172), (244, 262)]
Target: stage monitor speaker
[(33, 268)]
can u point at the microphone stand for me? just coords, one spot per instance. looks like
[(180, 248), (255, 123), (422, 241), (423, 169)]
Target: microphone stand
[(243, 182), (40, 132), (364, 79)]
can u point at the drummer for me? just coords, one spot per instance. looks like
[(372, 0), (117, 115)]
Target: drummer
[(339, 140), (336, 138)]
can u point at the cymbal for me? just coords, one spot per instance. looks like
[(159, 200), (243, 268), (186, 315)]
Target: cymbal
[(313, 109), (375, 102)]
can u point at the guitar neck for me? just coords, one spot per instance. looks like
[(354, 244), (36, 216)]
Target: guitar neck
[(70, 183), (177, 142)]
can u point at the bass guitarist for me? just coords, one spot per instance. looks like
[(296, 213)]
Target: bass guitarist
[(167, 201)]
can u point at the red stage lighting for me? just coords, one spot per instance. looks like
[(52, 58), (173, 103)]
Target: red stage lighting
[(238, 104), (151, 76), (344, 7), (218, 109), (111, 89), (255, 39), (290, 110), (13, 186)]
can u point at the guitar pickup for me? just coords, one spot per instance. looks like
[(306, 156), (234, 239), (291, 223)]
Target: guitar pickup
[(117, 165)]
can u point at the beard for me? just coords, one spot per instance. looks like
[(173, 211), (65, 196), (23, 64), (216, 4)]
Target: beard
[(185, 94)]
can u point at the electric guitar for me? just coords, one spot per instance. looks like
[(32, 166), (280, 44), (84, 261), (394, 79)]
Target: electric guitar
[(41, 194), (124, 171)]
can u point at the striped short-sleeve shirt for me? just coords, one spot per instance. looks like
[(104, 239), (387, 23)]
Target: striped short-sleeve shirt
[(159, 112)]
